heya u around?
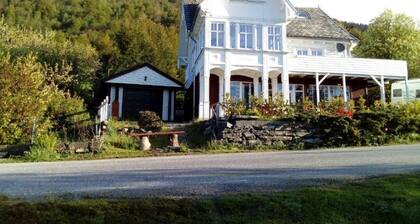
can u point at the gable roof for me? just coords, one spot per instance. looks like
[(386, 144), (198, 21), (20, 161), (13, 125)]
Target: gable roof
[(318, 25), (144, 75)]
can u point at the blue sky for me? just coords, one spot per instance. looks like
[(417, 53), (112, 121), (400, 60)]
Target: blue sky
[(362, 11)]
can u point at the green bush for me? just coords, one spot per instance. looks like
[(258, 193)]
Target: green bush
[(44, 149), (150, 121), (118, 140)]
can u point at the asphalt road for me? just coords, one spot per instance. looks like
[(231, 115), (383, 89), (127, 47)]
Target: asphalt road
[(204, 175)]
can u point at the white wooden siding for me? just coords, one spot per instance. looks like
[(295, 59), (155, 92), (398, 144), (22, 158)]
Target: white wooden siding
[(351, 66), (144, 76)]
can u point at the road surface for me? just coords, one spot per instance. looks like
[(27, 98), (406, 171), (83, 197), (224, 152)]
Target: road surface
[(204, 175)]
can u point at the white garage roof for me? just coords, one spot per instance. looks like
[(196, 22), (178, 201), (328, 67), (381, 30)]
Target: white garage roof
[(145, 75)]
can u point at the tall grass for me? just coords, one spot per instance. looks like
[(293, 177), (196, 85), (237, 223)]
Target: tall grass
[(44, 149)]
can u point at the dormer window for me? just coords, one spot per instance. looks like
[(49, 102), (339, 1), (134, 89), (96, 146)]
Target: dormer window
[(303, 14), (217, 34)]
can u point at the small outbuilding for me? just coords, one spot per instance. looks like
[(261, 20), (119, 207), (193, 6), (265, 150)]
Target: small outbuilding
[(142, 88)]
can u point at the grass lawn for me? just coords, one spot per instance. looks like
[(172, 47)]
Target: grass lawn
[(394, 199)]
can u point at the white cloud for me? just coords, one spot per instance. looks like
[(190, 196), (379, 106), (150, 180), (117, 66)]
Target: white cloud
[(362, 11)]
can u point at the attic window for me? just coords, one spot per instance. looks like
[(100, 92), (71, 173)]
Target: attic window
[(304, 14)]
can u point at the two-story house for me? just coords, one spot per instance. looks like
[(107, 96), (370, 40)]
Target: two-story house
[(264, 48)]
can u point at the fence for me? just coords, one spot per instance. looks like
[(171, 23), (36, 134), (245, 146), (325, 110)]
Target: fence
[(104, 113)]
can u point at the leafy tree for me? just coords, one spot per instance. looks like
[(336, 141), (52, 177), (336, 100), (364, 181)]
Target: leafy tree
[(77, 62), (392, 36)]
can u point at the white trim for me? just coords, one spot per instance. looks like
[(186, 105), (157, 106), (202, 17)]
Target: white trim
[(120, 102), (112, 95), (165, 105)]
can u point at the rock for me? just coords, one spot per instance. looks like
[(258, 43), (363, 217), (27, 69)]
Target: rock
[(145, 143), (312, 141)]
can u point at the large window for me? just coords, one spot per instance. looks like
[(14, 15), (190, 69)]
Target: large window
[(296, 92), (328, 92), (274, 38), (241, 91), (217, 35), (246, 36)]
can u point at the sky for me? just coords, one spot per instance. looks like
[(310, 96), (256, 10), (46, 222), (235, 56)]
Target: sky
[(362, 11)]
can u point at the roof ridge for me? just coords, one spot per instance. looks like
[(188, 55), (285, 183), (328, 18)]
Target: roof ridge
[(336, 24)]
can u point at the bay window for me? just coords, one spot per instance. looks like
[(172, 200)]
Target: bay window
[(274, 38), (233, 35), (246, 36), (217, 34)]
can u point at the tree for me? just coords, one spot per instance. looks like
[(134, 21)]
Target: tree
[(392, 36)]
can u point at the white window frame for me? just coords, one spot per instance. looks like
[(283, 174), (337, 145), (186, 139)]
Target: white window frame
[(246, 35), (317, 52), (293, 90), (217, 29), (326, 90), (274, 38), (302, 52)]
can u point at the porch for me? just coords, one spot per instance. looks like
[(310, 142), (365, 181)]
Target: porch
[(318, 78)]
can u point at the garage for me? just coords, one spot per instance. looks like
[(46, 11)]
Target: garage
[(142, 88)]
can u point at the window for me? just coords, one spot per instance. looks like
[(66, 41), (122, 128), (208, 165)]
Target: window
[(217, 35), (297, 92), (418, 93), (304, 14), (328, 92), (246, 36), (397, 93), (274, 38), (302, 52), (316, 52), (242, 91), (233, 35)]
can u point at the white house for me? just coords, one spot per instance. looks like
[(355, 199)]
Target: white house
[(270, 47)]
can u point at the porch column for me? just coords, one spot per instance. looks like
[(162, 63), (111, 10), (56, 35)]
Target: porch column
[(256, 86), (226, 82), (318, 95), (344, 88), (265, 89), (285, 72), (382, 86), (204, 111), (274, 85), (407, 90)]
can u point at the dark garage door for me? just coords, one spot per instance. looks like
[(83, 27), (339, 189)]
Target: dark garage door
[(136, 100)]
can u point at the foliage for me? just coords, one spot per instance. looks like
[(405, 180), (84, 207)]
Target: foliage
[(123, 33), (70, 66), (24, 99), (392, 36), (393, 199), (233, 107), (274, 108), (115, 139), (44, 149), (150, 121)]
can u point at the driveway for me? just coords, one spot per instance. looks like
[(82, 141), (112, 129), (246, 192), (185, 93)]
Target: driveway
[(204, 175)]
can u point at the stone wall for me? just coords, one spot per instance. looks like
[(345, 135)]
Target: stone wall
[(254, 132)]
